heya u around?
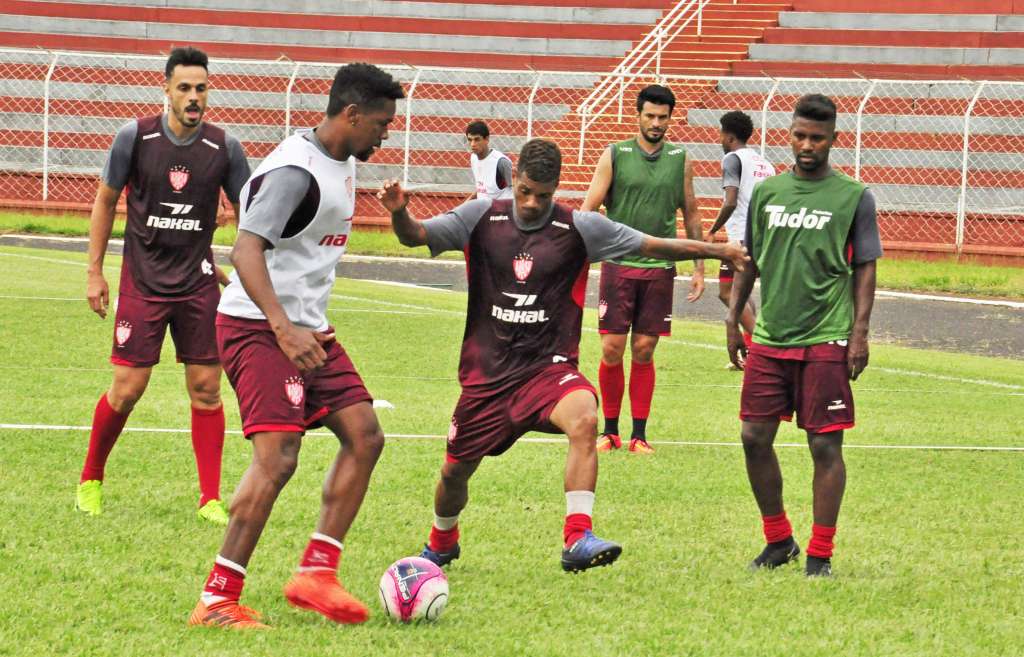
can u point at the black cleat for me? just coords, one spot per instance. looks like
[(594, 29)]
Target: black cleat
[(589, 552), (776, 554), (442, 559), (818, 567)]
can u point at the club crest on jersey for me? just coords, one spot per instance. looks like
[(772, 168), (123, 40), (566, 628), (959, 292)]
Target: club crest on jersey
[(122, 332), (522, 265), (602, 309), (178, 175), (294, 390)]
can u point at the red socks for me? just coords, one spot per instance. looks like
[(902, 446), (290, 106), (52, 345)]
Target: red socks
[(641, 389), (776, 528), (575, 525), (224, 583), (612, 381), (443, 540), (322, 553), (208, 445), (821, 544), (106, 427)]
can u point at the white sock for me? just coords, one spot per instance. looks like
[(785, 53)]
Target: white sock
[(445, 523), (579, 501)]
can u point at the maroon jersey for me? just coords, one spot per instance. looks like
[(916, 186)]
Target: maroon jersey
[(173, 193), (526, 295)]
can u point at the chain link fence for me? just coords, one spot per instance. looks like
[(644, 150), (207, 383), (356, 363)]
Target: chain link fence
[(945, 159)]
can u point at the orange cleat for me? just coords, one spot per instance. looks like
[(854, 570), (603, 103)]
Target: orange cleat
[(606, 442), (227, 613), (320, 591), (640, 446)]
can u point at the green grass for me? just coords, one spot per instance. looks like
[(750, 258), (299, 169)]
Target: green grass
[(945, 276), (927, 559)]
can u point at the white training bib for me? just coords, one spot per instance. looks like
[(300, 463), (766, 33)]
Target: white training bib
[(485, 174), (754, 169)]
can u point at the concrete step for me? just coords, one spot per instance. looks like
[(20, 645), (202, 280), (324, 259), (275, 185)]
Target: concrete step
[(920, 39), (888, 71), (946, 22), (913, 6), (887, 55)]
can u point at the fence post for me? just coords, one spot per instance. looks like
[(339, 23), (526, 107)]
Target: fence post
[(657, 61), (46, 126), (529, 105), (288, 101), (860, 131), (408, 126), (583, 129), (764, 113), (622, 91), (961, 206), (700, 18)]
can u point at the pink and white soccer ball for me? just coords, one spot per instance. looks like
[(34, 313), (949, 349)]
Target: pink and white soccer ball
[(414, 589)]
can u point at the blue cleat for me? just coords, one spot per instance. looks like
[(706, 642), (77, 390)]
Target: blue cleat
[(589, 552), (440, 558)]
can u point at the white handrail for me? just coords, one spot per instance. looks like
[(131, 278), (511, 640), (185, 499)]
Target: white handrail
[(961, 205)]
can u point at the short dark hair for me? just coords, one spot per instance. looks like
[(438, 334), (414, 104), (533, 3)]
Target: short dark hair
[(478, 128), (656, 94), (541, 160), (737, 124), (185, 56), (362, 85), (815, 107)]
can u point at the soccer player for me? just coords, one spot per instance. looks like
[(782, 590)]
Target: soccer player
[(742, 168), (641, 182), (527, 261), (281, 355), (174, 166), (813, 237), (492, 170)]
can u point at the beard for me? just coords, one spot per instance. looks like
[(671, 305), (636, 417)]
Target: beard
[(653, 137)]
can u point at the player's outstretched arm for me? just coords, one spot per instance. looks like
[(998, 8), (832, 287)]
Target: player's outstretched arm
[(863, 301), (669, 249), (394, 199), (101, 222), (742, 286)]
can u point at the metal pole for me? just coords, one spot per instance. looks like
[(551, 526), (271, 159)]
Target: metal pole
[(764, 114), (288, 101), (46, 126), (408, 127), (700, 19), (529, 106), (657, 61), (622, 92), (583, 129), (961, 209), (860, 131)]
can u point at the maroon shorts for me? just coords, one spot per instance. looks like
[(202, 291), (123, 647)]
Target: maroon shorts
[(141, 324), (272, 394), (726, 272), (488, 425), (637, 297), (813, 382)]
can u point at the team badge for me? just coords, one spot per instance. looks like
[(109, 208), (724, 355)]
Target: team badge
[(122, 332), (522, 265), (453, 430), (602, 309), (178, 175), (294, 390)]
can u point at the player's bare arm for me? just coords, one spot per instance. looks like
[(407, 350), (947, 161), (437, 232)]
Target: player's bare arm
[(694, 230), (101, 222), (728, 207), (394, 199), (300, 345), (669, 249), (599, 184), (742, 286), (863, 301)]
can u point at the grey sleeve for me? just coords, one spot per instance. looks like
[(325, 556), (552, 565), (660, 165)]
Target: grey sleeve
[(119, 158), (238, 169), (504, 173), (867, 243), (450, 231), (278, 193), (732, 170), (606, 239)]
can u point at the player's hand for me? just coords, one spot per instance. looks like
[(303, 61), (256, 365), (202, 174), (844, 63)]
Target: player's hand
[(222, 278), (393, 197), (303, 347), (857, 356), (736, 253), (98, 294), (737, 347), (696, 286)]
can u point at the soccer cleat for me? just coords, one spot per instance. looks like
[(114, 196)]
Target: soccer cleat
[(442, 559), (320, 591), (640, 446), (606, 442), (89, 497), (227, 613), (214, 512), (589, 552), (776, 554), (818, 567)]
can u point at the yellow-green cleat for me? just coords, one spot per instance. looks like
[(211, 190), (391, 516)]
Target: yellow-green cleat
[(89, 497), (214, 512)]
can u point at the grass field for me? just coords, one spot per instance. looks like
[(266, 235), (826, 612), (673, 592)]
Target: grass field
[(928, 560)]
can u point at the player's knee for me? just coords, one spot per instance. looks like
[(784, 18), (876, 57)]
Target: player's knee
[(643, 354), (584, 428), (457, 474), (825, 449), (755, 443), (611, 353), (124, 395), (723, 294), (279, 467), (371, 443)]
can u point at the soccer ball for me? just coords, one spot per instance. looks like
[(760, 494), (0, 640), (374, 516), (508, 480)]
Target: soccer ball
[(413, 589)]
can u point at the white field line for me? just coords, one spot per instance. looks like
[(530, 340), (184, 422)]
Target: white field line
[(547, 441)]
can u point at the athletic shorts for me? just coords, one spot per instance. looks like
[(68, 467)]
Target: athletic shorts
[(272, 394), (487, 425), (726, 272), (637, 297), (812, 382), (141, 324)]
